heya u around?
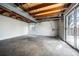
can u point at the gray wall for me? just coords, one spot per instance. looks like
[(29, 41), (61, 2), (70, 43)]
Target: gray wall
[(61, 28), (11, 27)]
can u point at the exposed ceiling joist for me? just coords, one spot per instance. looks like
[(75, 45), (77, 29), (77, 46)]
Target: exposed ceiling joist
[(49, 19), (36, 11), (46, 8), (48, 15), (8, 13), (49, 12), (38, 5), (30, 5), (18, 10)]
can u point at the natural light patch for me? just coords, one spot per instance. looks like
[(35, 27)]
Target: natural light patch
[(59, 46)]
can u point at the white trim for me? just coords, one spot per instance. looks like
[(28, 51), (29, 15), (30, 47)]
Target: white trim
[(72, 6)]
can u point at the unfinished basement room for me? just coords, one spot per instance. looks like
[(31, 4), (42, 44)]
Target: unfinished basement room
[(39, 29)]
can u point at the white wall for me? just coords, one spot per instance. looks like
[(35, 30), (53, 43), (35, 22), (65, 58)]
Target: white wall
[(11, 27), (48, 28)]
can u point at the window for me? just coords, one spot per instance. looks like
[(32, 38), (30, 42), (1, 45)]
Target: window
[(78, 28), (72, 27), (31, 27)]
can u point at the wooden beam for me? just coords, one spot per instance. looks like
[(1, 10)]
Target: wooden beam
[(29, 5), (46, 8), (6, 13), (17, 10), (2, 11), (39, 5), (49, 15), (49, 19), (49, 12)]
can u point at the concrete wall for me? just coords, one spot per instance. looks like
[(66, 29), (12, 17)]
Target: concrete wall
[(11, 27), (48, 28), (61, 28)]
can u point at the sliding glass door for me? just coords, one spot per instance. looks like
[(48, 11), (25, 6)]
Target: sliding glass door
[(70, 28), (77, 28)]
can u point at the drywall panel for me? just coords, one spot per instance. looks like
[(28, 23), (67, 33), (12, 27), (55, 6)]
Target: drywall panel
[(12, 28)]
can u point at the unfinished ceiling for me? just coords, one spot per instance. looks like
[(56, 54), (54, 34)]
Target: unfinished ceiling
[(37, 10)]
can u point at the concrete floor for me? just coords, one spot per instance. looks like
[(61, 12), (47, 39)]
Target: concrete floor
[(35, 46)]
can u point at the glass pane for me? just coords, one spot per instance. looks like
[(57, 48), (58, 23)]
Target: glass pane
[(78, 28), (70, 29)]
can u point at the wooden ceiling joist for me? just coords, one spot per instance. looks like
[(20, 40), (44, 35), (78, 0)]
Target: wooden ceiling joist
[(42, 10), (49, 19), (8, 13), (46, 8), (2, 10), (38, 10), (49, 15), (38, 5), (49, 12), (26, 6)]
